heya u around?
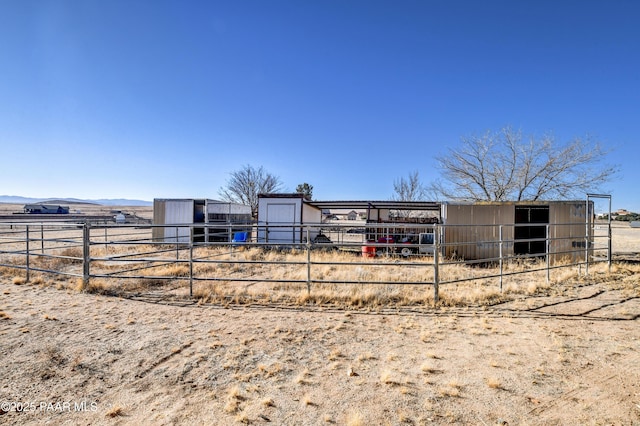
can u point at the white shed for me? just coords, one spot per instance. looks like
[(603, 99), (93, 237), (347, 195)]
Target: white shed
[(280, 217), (193, 211)]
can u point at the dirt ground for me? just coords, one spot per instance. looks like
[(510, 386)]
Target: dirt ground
[(571, 357)]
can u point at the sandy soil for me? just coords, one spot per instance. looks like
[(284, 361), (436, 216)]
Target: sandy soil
[(567, 358)]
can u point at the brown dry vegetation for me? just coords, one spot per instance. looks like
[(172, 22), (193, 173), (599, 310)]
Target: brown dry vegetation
[(281, 280), (565, 355), (143, 352)]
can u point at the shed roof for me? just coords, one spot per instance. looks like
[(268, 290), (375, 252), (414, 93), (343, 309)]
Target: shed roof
[(364, 205)]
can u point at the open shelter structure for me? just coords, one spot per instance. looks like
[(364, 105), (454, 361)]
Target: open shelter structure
[(480, 230), (196, 211)]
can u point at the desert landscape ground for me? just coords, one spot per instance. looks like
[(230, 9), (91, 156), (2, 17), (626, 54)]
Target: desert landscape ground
[(565, 354)]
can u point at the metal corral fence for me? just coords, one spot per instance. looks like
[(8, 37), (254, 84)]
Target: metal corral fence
[(309, 255)]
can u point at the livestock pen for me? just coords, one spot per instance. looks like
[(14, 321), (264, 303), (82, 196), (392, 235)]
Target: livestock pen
[(342, 266)]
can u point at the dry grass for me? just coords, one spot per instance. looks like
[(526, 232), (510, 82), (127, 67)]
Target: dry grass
[(355, 418), (370, 286), (19, 280), (302, 378), (234, 398), (481, 292), (115, 411), (451, 392), (335, 354), (388, 377), (306, 400), (494, 383), (362, 295), (325, 365), (427, 368)]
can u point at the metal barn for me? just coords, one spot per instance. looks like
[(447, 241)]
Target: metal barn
[(473, 230), (207, 212)]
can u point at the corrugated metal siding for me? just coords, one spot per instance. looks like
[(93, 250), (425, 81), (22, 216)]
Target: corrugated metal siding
[(567, 230), (158, 219), (228, 208), (472, 229), (478, 231), (178, 212)]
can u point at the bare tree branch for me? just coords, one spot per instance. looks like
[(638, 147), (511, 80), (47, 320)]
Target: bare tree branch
[(410, 189), (245, 184), (502, 166)]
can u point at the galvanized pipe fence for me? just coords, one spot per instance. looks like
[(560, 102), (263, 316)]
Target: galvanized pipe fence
[(325, 254)]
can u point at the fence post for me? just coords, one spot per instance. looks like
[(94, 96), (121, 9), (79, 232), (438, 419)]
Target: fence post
[(500, 248), (436, 272), (547, 249), (178, 243), (308, 262), (586, 255), (609, 239), (586, 236), (191, 269), (42, 238), (27, 259), (86, 258)]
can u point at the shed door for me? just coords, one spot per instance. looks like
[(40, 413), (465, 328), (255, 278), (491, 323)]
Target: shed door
[(281, 214), (531, 224), (178, 212)]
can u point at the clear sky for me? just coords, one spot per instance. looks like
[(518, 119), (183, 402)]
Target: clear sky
[(157, 99)]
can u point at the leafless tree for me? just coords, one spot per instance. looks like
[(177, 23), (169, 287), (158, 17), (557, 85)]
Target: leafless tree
[(245, 184), (410, 189), (505, 166)]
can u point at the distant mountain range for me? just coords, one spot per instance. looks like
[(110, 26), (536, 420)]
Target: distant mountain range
[(14, 199)]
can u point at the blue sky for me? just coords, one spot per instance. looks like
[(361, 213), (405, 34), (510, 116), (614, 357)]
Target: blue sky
[(154, 99)]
